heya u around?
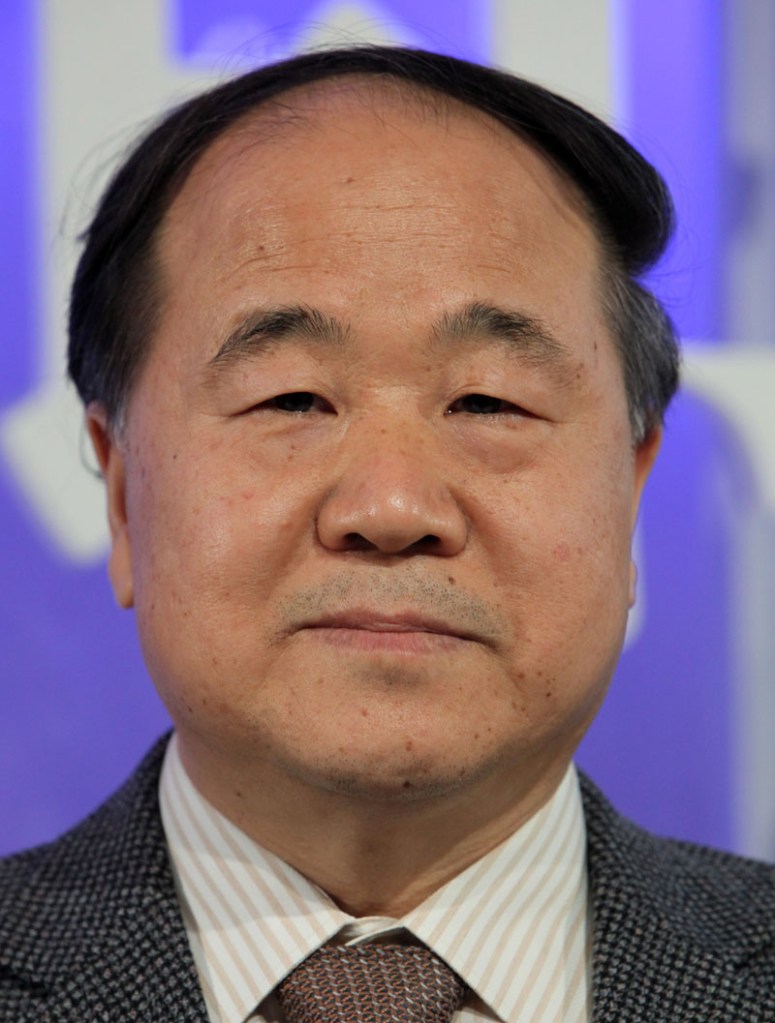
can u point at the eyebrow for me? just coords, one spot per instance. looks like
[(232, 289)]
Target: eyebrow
[(259, 332), (523, 334), (526, 335)]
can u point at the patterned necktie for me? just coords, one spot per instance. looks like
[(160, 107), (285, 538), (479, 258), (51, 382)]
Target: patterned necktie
[(371, 984)]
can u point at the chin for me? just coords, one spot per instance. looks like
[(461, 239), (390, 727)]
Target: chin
[(404, 789), (405, 779)]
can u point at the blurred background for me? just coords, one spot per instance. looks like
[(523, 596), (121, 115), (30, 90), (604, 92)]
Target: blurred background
[(686, 742)]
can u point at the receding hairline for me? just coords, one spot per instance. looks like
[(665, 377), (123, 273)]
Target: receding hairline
[(307, 106), (317, 106)]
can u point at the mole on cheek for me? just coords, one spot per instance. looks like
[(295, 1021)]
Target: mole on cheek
[(562, 551)]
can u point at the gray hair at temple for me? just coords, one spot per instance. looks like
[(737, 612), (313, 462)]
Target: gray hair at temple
[(118, 288)]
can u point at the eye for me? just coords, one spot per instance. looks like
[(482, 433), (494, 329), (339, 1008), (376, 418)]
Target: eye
[(297, 402), (483, 405)]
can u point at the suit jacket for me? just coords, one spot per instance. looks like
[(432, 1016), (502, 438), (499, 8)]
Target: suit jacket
[(91, 932)]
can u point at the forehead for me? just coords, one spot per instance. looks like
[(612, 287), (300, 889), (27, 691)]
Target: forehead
[(387, 138), (384, 210)]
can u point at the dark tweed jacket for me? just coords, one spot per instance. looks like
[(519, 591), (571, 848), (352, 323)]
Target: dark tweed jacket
[(90, 928)]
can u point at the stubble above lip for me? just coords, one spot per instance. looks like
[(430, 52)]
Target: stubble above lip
[(408, 605)]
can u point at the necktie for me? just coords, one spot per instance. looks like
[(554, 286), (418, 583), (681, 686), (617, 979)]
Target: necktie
[(371, 984)]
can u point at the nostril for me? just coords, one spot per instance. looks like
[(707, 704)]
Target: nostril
[(357, 542), (427, 542), (390, 522)]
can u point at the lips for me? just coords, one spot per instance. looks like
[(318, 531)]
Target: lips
[(350, 610), (379, 621), (376, 633)]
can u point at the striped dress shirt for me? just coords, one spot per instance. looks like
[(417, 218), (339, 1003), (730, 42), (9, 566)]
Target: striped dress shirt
[(514, 925)]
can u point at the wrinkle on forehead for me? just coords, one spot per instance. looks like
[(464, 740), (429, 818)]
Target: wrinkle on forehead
[(326, 107), (259, 201), (229, 202)]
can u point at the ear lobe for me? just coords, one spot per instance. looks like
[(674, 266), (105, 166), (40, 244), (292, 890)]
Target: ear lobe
[(645, 456), (111, 462)]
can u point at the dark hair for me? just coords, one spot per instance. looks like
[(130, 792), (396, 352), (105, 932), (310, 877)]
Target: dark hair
[(116, 293)]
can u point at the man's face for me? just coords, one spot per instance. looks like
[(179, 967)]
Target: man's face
[(374, 496)]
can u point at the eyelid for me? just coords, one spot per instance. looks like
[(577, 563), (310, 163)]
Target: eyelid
[(318, 403), (507, 407)]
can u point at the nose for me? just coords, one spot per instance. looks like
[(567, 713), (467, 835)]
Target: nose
[(390, 497)]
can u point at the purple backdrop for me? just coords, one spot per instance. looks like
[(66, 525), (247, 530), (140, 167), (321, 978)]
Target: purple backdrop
[(78, 710)]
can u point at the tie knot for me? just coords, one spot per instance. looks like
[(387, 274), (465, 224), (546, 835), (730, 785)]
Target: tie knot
[(371, 984)]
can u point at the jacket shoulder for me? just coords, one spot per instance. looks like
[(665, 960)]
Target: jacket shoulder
[(72, 885), (677, 924), (682, 878), (90, 925)]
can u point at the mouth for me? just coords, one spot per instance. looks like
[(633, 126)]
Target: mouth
[(377, 630)]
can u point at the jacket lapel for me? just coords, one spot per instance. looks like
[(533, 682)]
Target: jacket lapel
[(114, 945), (671, 941), (93, 931)]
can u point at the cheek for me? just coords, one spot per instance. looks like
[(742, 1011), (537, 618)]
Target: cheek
[(204, 521), (564, 516), (561, 545), (588, 547)]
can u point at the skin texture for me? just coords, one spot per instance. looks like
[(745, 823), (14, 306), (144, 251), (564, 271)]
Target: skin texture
[(379, 606)]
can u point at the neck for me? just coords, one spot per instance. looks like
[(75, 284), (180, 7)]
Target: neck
[(373, 856)]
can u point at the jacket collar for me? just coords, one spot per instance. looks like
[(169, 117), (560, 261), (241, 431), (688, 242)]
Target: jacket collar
[(109, 940), (677, 933)]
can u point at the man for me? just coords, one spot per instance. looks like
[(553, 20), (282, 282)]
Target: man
[(375, 391)]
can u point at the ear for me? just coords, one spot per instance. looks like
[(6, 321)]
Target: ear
[(111, 462), (645, 455)]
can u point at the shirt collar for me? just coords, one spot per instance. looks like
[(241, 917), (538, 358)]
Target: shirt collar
[(252, 918)]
